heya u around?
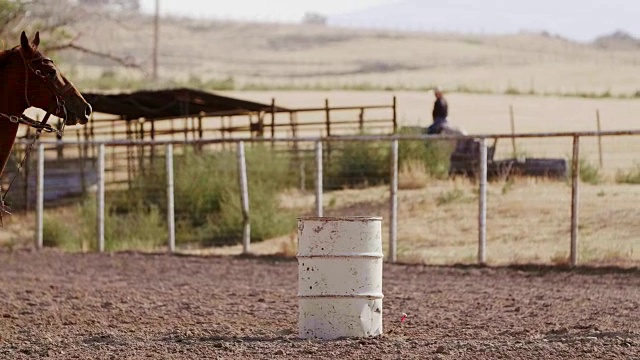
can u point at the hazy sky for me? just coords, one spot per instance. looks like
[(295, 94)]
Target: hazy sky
[(265, 10), (576, 19)]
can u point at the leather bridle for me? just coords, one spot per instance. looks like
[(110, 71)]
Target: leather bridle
[(49, 80), (57, 108)]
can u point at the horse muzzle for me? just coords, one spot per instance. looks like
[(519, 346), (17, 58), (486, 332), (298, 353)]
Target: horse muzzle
[(74, 118)]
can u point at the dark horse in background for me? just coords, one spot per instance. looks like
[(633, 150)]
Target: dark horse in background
[(28, 78)]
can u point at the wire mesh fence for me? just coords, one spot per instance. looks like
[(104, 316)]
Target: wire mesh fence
[(530, 196)]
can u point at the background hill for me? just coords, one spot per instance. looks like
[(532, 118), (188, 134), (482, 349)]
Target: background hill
[(571, 19), (242, 55)]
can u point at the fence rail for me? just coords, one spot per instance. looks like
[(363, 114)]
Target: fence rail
[(270, 123), (329, 139), (483, 251)]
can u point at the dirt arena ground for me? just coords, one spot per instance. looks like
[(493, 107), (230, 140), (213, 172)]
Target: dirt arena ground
[(65, 306)]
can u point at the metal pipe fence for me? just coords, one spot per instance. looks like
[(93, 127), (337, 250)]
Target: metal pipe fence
[(404, 236)]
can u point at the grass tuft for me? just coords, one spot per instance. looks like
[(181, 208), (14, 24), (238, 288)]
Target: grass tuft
[(412, 175), (449, 197), (589, 173), (357, 165), (631, 176), (433, 154)]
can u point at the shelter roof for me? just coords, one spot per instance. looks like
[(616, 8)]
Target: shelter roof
[(171, 103)]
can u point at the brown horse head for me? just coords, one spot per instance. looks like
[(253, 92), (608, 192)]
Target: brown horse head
[(28, 78), (46, 87)]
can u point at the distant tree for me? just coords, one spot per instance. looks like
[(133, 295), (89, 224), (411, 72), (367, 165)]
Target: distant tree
[(54, 20), (117, 5), (11, 13), (618, 40), (314, 18)]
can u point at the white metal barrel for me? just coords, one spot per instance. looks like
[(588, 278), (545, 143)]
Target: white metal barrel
[(340, 277)]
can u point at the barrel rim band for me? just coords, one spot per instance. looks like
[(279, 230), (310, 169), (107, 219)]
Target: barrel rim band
[(340, 218), (334, 296), (344, 255)]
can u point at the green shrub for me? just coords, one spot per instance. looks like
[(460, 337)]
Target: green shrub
[(589, 173), (207, 196), (266, 218), (433, 153), (140, 227), (143, 228), (268, 174), (200, 181), (357, 164), (512, 91), (58, 233), (110, 79), (207, 204), (195, 81), (629, 177)]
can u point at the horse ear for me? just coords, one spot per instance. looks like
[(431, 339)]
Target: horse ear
[(24, 42), (36, 40)]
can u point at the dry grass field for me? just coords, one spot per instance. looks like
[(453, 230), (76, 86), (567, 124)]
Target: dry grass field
[(307, 56), (528, 222), (312, 57), (528, 219)]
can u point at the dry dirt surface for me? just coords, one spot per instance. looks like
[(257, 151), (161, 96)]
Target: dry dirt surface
[(65, 306)]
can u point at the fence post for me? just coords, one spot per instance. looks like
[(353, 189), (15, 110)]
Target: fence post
[(393, 221), (303, 176), (395, 115), (81, 158), (599, 137), (327, 111), (319, 178), (575, 183), (513, 131), (100, 209), (482, 210), (40, 198), (244, 195), (27, 174), (273, 119), (171, 218)]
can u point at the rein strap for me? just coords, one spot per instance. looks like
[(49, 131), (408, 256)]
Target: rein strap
[(39, 125)]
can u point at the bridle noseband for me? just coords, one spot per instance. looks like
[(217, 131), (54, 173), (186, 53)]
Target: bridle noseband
[(49, 80)]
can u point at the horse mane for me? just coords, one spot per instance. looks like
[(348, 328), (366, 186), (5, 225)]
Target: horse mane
[(4, 56)]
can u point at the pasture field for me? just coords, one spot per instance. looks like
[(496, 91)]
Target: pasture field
[(267, 56), (527, 223), (528, 220), (475, 113), (490, 114), (129, 305)]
